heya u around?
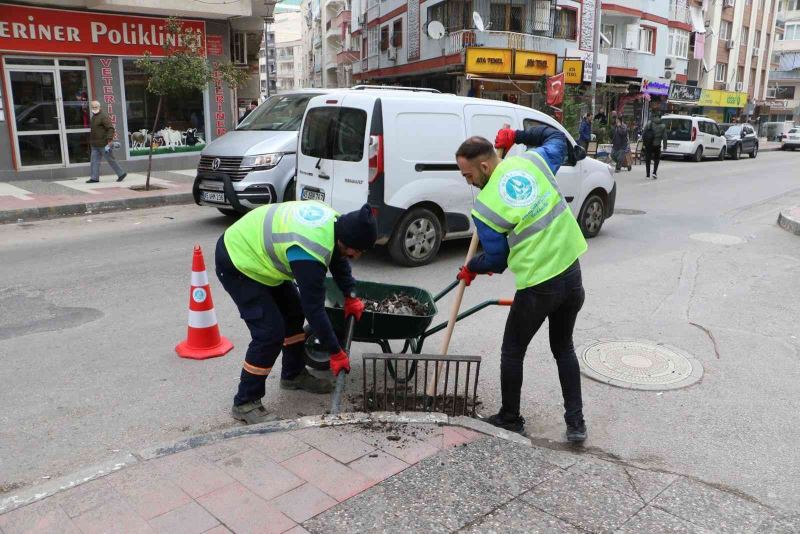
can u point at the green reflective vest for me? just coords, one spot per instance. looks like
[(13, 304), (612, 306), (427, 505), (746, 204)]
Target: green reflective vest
[(522, 200), (257, 243)]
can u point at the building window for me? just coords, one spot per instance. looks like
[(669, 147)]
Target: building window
[(437, 13), (757, 41), (181, 124), (507, 17), (647, 39), (384, 38), (720, 73), (740, 75), (792, 5), (745, 35), (785, 92), (566, 24), (792, 32), (771, 92), (397, 33), (374, 43), (608, 31), (725, 30), (239, 48), (678, 43)]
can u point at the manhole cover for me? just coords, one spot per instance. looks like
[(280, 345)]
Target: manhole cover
[(639, 365), (718, 239)]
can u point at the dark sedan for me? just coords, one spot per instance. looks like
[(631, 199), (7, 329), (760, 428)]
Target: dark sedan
[(741, 139)]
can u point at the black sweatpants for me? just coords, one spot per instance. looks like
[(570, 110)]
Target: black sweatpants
[(559, 300), (652, 153), (275, 320)]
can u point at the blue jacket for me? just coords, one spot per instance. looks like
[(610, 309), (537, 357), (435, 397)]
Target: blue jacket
[(551, 144), (585, 133)]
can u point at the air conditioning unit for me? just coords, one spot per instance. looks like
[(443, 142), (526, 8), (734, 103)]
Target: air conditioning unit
[(729, 3), (669, 63), (729, 44), (740, 86), (392, 51), (669, 74), (756, 51)]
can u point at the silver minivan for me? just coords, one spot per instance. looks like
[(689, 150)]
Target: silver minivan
[(255, 163)]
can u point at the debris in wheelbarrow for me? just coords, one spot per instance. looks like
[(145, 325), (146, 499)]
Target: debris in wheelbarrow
[(396, 304)]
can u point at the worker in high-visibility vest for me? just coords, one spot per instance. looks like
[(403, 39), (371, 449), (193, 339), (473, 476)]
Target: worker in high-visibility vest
[(259, 259), (525, 224)]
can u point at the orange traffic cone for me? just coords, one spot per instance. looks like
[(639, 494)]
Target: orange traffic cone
[(203, 340)]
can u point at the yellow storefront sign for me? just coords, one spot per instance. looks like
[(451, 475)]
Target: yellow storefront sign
[(534, 64), (722, 99), (573, 71), (489, 60)]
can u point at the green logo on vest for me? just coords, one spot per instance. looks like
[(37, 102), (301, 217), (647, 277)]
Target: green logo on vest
[(518, 189), (311, 215)]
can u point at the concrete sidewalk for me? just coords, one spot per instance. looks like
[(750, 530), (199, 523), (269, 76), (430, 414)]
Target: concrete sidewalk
[(383, 474)]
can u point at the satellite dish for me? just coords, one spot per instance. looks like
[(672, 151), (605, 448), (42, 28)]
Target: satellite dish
[(435, 30), (476, 18)]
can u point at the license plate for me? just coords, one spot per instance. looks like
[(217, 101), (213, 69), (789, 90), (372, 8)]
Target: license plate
[(312, 194), (212, 196), (673, 145)]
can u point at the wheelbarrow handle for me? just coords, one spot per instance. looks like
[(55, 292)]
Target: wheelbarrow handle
[(336, 399)]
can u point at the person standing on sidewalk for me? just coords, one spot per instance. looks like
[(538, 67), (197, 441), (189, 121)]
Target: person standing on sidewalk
[(101, 140), (654, 136), (525, 224), (619, 143), (585, 133), (259, 259)]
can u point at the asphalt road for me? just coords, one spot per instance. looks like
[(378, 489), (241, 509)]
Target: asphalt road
[(92, 307)]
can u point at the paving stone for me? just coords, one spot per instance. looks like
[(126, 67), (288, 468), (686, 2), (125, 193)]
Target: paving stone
[(188, 519), (637, 483), (378, 465), (298, 530), (780, 523), (410, 443), (451, 438), (583, 503), (41, 517), (278, 446), (261, 475), (709, 507), (518, 517), (335, 479), (224, 449), (303, 503), (219, 530), (85, 497), (243, 511), (467, 433), (114, 516), (148, 492), (651, 519), (192, 474), (339, 444)]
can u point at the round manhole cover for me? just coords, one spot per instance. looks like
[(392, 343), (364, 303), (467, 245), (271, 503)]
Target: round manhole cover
[(639, 365)]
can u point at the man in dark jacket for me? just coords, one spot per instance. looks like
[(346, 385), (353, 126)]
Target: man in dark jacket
[(619, 143), (585, 134), (101, 139), (654, 137)]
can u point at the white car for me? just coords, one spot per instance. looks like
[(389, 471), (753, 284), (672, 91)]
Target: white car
[(694, 137), (395, 148), (792, 139)]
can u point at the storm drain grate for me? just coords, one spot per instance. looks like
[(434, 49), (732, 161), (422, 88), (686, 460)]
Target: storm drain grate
[(638, 364)]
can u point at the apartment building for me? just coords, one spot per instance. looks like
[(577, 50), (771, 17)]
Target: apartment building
[(327, 36), (267, 79), (783, 88)]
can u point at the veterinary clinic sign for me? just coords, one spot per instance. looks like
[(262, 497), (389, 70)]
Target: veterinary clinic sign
[(59, 31)]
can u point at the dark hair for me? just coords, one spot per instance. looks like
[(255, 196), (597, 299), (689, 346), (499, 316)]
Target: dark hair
[(254, 102), (475, 147)]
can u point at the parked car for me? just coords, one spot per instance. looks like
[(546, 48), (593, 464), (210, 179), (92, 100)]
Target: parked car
[(693, 137), (741, 139), (792, 139), (395, 149), (776, 131), (255, 163)]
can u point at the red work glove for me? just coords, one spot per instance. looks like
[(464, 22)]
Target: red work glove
[(340, 362), (353, 306), (506, 139), (466, 275)]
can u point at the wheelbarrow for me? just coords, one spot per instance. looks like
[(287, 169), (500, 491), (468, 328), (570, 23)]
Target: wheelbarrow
[(383, 328)]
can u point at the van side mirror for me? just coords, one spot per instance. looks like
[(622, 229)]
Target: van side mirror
[(579, 152)]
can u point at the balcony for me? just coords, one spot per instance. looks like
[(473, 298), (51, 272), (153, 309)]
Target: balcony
[(625, 59), (347, 57), (335, 4), (356, 67), (343, 17), (680, 14), (458, 41)]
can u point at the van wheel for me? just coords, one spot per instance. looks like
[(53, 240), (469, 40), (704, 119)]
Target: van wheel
[(592, 216), (698, 155), (230, 213), (417, 238), (290, 193)]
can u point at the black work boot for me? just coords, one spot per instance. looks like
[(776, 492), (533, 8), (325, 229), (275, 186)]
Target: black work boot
[(576, 432), (512, 423), (252, 412), (307, 382)]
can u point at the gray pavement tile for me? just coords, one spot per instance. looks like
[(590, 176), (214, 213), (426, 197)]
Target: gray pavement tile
[(709, 507), (518, 517), (655, 521), (583, 503), (780, 523), (638, 483)]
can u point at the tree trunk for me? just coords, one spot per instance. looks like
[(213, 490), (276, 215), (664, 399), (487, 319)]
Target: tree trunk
[(152, 140)]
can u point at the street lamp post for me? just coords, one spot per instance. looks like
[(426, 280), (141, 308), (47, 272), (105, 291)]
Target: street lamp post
[(595, 50)]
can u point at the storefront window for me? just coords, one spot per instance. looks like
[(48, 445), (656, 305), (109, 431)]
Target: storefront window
[(181, 124)]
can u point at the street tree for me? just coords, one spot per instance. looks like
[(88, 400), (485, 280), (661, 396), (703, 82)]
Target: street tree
[(183, 69)]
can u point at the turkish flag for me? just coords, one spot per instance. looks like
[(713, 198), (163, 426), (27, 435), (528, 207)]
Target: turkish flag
[(555, 90)]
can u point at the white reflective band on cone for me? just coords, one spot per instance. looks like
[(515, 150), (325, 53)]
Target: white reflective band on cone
[(202, 319), (199, 279)]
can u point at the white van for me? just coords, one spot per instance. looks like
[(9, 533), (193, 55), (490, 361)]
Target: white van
[(395, 148), (694, 137)]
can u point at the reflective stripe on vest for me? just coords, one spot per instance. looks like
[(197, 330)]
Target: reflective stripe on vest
[(543, 222), (487, 212), (269, 243)]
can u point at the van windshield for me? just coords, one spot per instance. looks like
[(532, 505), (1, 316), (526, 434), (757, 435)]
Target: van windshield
[(280, 113), (334, 133), (678, 129)]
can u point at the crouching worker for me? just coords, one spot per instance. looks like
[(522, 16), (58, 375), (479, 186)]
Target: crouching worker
[(261, 261)]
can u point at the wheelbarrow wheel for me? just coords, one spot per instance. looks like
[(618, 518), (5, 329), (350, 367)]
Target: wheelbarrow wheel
[(400, 377), (316, 357)]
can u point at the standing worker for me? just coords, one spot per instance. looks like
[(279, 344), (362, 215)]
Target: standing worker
[(524, 223), (585, 134), (654, 136), (101, 141), (258, 260)]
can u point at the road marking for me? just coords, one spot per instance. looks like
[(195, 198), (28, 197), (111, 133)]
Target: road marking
[(8, 190)]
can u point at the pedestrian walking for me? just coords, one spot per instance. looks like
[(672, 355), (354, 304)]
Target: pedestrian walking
[(258, 261), (585, 133), (619, 144), (654, 137), (101, 141), (525, 224), (250, 107)]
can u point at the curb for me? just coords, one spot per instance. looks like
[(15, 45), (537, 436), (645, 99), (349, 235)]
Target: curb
[(127, 458), (81, 208), (789, 219)]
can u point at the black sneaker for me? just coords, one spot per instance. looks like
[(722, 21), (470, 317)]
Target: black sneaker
[(507, 422), (122, 177), (576, 433)]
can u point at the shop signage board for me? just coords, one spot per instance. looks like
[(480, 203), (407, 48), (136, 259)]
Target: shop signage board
[(534, 64), (573, 71), (655, 86), (602, 64), (58, 31), (482, 60), (722, 99), (214, 45), (684, 93)]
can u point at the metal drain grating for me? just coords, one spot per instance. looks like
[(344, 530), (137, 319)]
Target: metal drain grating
[(636, 364)]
